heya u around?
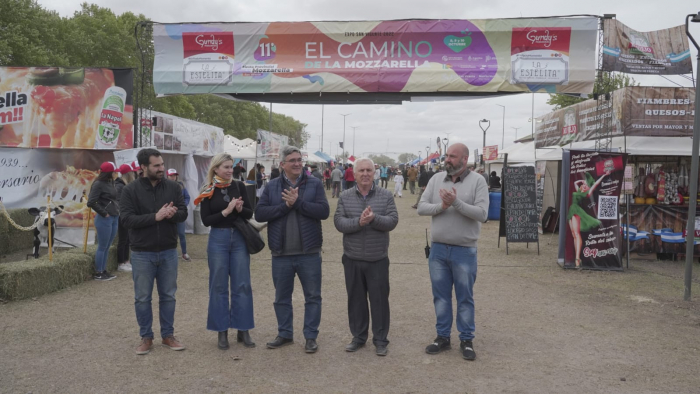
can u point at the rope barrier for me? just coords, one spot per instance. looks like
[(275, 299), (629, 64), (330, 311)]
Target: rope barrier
[(14, 224)]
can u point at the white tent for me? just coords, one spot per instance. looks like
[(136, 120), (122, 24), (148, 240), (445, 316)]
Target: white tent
[(239, 149), (312, 158)]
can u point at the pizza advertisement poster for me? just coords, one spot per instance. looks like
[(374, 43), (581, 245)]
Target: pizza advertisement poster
[(658, 52), (593, 238), (490, 152), (29, 176), (70, 108), (388, 56)]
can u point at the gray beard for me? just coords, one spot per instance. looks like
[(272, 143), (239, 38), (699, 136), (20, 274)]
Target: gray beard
[(453, 170)]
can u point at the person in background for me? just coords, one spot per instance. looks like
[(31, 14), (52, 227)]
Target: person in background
[(349, 177), (398, 183), (377, 174), (405, 177), (412, 178), (151, 209), (173, 176), (481, 172), (316, 173), (293, 205), (384, 175), (103, 200), (494, 180), (252, 172), (336, 177), (422, 183), (127, 175), (365, 215), (327, 178), (137, 169), (238, 173), (457, 200), (343, 169), (225, 200), (274, 173)]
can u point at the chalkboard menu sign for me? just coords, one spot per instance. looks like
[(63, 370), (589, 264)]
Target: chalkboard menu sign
[(520, 200)]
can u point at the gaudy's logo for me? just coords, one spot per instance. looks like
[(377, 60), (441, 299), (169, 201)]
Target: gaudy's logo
[(545, 38), (211, 43)]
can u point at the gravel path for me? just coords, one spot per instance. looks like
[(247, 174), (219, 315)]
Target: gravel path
[(539, 330)]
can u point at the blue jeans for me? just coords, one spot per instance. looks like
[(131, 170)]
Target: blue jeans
[(106, 232), (181, 234), (229, 261), (456, 265), (308, 268), (161, 267)]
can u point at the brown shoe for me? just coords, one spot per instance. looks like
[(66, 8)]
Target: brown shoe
[(173, 343), (145, 346)]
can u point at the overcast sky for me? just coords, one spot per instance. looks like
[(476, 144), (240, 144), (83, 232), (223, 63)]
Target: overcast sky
[(412, 126)]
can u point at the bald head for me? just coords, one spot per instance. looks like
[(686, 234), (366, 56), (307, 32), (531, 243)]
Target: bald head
[(458, 149)]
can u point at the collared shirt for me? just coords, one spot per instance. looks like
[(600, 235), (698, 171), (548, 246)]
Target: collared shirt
[(289, 181), (459, 178), (370, 191)]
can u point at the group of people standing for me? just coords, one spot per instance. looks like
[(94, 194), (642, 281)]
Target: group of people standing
[(294, 204)]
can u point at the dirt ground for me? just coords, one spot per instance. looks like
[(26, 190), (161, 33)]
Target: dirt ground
[(540, 329)]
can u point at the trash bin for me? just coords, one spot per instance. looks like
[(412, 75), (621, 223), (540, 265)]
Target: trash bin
[(199, 227), (494, 206)]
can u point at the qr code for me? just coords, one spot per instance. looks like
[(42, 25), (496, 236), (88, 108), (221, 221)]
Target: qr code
[(607, 207)]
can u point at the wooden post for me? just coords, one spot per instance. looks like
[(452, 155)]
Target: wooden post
[(48, 211), (87, 211)]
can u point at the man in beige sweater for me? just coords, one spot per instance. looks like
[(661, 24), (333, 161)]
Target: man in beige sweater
[(458, 201)]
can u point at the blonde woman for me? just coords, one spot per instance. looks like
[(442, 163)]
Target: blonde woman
[(103, 200), (224, 200)]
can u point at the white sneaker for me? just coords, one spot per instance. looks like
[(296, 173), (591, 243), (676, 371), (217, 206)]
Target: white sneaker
[(126, 267), (186, 257)]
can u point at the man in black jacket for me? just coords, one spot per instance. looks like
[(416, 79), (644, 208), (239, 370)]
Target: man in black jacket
[(423, 179), (151, 208)]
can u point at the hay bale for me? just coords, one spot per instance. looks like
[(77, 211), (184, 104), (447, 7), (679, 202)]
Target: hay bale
[(36, 277), (12, 239)]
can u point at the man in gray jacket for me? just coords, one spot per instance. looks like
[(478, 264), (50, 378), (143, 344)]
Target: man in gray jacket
[(365, 215)]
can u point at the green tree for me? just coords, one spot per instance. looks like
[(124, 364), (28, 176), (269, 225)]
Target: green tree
[(379, 159), (406, 157), (609, 83), (30, 35)]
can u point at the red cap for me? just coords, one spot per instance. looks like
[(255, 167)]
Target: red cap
[(125, 169), (108, 166), (172, 171), (135, 165)]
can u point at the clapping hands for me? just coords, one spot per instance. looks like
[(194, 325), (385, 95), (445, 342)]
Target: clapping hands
[(448, 197), (166, 212), (289, 196), (367, 216), (236, 204)]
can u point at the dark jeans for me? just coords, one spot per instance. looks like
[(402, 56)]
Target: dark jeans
[(385, 182), (308, 268), (181, 235), (363, 278), (349, 185), (106, 232), (405, 181), (336, 189), (122, 244), (229, 262), (328, 184), (161, 267)]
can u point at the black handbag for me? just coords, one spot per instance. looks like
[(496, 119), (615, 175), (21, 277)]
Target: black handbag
[(253, 239)]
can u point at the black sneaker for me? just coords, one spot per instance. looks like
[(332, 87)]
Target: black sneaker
[(98, 276), (440, 344), (108, 275), (468, 352)]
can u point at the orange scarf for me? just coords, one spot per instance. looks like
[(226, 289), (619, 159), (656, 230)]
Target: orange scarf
[(219, 182)]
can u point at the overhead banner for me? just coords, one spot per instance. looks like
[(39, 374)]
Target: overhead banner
[(633, 111), (271, 144), (659, 52), (593, 223), (556, 55), (30, 175), (72, 108), (172, 134)]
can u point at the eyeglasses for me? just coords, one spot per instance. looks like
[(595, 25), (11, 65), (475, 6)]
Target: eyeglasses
[(224, 191), (293, 161)]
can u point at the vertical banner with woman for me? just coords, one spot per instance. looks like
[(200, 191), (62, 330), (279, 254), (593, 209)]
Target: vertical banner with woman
[(593, 224)]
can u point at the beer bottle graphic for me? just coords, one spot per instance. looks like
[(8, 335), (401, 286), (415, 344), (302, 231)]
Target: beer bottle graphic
[(111, 114)]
